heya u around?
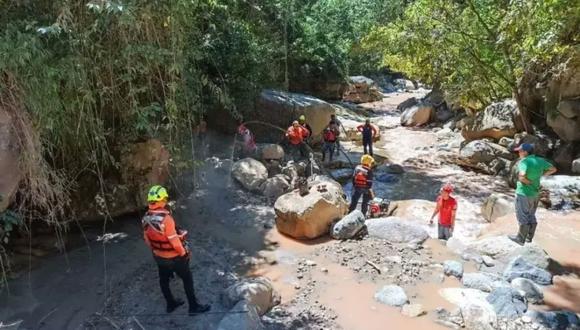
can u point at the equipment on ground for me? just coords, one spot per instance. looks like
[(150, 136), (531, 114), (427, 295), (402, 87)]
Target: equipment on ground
[(378, 207)]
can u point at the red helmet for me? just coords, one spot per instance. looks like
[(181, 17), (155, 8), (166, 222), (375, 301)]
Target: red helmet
[(447, 188)]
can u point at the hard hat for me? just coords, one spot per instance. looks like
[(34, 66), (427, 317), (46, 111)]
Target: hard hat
[(367, 160), (295, 123), (302, 118), (447, 188), (157, 194)]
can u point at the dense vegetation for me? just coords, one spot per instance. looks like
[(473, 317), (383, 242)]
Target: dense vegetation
[(95, 75)]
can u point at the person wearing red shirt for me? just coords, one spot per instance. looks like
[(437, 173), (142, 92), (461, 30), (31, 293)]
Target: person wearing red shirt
[(446, 208)]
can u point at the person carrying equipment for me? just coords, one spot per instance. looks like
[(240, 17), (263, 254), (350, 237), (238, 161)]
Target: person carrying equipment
[(296, 135), (329, 139), (169, 250), (368, 133), (362, 181), (446, 208)]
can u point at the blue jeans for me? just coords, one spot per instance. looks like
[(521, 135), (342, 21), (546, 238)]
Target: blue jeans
[(526, 209), (328, 147), (356, 194)]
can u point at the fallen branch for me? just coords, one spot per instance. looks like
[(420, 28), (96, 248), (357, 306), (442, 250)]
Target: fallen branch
[(374, 266), (41, 322)]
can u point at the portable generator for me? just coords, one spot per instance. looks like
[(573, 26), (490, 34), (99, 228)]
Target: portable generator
[(378, 207)]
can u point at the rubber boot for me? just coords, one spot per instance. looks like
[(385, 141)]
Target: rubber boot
[(520, 238), (198, 309), (531, 232), (173, 305)]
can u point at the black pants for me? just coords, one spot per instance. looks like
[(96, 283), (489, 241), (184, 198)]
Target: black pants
[(369, 144), (357, 193), (179, 266)]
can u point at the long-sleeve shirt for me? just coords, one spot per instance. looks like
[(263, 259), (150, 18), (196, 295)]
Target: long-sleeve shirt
[(296, 135)]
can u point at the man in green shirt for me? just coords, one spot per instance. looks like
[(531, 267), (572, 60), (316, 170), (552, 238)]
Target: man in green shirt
[(531, 168)]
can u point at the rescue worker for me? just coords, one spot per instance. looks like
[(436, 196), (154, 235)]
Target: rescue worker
[(303, 123), (362, 182), (368, 133), (336, 123), (329, 139), (296, 135), (249, 142), (446, 208), (169, 250)]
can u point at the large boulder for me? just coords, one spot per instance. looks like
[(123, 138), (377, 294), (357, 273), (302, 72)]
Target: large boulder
[(348, 226), (272, 152), (322, 87), (418, 115), (310, 216), (275, 186), (497, 205), (453, 268), (519, 267), (533, 254), (497, 120), (362, 90), (497, 247), (483, 151), (281, 108), (543, 145), (566, 121), (396, 230), (250, 173), (258, 291), (10, 173), (564, 156), (576, 166), (243, 316), (392, 295), (507, 302)]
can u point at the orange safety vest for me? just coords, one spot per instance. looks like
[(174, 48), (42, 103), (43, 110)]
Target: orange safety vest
[(160, 234), (361, 177), (296, 135)]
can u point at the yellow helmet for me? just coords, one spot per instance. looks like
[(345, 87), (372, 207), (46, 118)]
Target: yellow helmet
[(302, 118), (157, 194), (367, 160)]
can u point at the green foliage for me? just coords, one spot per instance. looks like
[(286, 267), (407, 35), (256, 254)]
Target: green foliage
[(477, 50)]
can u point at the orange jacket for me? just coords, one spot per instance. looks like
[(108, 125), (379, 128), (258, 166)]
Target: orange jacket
[(296, 134), (160, 234)]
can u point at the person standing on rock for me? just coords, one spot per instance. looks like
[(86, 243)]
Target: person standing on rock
[(296, 135), (368, 133), (531, 168), (446, 209), (329, 139), (169, 250), (303, 123), (362, 181)]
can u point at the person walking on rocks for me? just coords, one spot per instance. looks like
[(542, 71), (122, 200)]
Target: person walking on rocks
[(368, 133), (362, 182), (446, 208), (531, 168), (169, 250), (296, 135)]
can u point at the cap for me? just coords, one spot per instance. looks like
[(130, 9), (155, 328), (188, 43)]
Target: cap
[(528, 147)]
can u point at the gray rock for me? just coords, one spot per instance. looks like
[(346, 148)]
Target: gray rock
[(497, 205), (348, 226), (566, 121), (483, 151), (576, 166), (453, 268), (258, 291), (506, 142), (507, 302), (272, 152), (275, 186), (250, 173), (417, 115), (497, 247), (478, 316), (533, 254), (519, 267), (392, 295), (529, 290), (389, 168), (396, 230), (555, 320), (238, 320), (488, 261), (483, 281)]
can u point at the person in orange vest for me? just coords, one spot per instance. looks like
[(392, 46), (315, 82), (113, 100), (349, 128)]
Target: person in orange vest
[(296, 135), (362, 182), (446, 208), (169, 250)]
